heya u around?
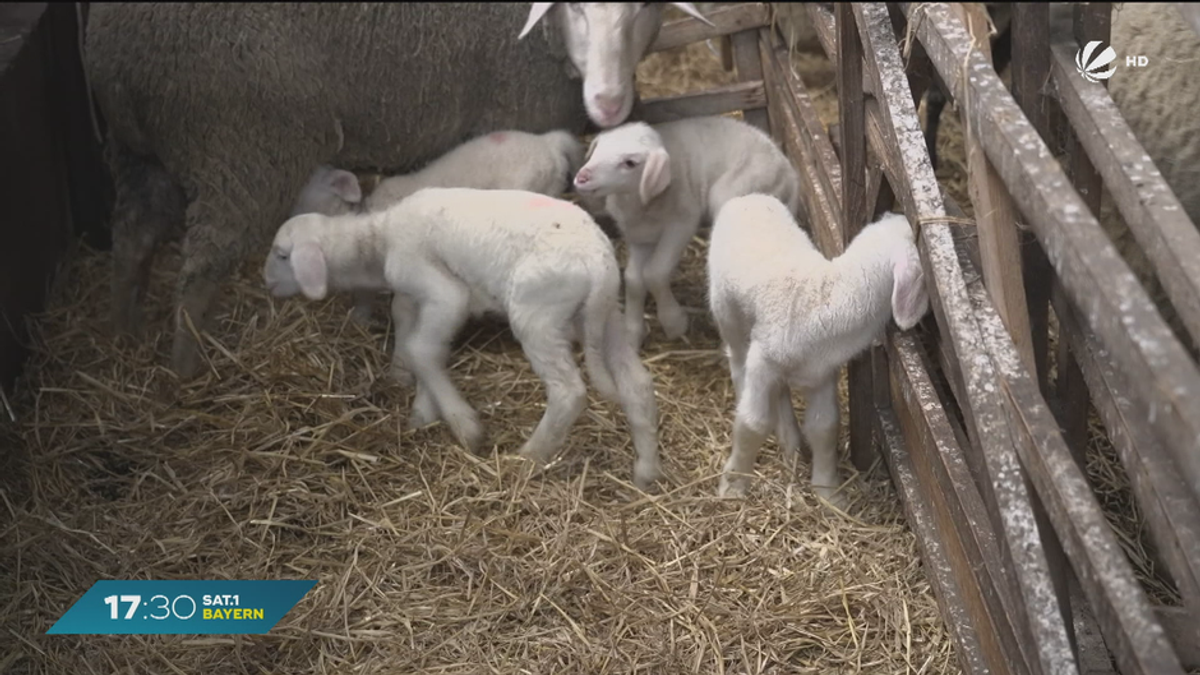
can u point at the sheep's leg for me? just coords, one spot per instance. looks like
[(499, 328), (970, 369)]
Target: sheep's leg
[(821, 431), (635, 389), (635, 292), (935, 103), (427, 349), (657, 274), (211, 250), (149, 210), (549, 352), (755, 418), (404, 317), (361, 314)]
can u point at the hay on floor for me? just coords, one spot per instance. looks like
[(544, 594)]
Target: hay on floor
[(290, 458)]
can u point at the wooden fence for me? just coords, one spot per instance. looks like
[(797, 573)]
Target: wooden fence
[(1028, 573)]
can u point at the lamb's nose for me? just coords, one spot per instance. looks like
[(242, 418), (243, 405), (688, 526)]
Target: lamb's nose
[(583, 176)]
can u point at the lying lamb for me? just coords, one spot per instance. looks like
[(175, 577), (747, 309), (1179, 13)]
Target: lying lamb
[(449, 253), (790, 317), (661, 182), (509, 160)]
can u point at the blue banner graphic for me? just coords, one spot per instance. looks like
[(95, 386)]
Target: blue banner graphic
[(115, 607)]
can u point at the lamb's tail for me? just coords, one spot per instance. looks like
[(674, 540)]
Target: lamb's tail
[(600, 303)]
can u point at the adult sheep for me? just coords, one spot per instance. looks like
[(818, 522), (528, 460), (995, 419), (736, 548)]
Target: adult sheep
[(218, 112)]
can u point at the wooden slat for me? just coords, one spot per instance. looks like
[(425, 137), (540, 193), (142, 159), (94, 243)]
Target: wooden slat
[(1030, 70), (1043, 638), (726, 20), (1116, 307), (970, 545), (1125, 614), (956, 599), (1155, 217), (1170, 512), (807, 146), (715, 101), (854, 214), (750, 69), (995, 215)]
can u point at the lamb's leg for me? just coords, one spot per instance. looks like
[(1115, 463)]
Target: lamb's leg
[(657, 274), (755, 418), (428, 347), (821, 431), (635, 292), (548, 349), (787, 431), (404, 317), (635, 389)]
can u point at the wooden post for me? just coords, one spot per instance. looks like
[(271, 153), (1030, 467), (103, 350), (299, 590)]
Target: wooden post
[(854, 212)]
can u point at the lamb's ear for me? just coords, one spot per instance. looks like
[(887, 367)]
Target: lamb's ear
[(656, 175), (536, 12), (690, 9), (308, 265), (909, 299), (345, 185)]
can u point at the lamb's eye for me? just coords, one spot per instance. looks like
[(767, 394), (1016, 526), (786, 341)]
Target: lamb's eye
[(282, 255), (629, 164)]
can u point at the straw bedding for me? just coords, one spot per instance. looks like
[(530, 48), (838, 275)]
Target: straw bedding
[(289, 458)]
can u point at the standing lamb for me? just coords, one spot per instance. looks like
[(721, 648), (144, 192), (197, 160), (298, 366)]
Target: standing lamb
[(455, 252), (508, 160), (254, 96), (789, 317), (661, 182)]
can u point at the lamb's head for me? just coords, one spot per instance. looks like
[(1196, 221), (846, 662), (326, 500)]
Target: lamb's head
[(605, 41), (296, 263), (330, 192), (910, 301), (630, 159)]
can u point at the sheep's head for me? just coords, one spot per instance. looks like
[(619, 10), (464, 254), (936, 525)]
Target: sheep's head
[(605, 41), (296, 263), (627, 160), (330, 192)]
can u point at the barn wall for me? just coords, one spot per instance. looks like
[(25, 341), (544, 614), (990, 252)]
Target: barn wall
[(51, 171)]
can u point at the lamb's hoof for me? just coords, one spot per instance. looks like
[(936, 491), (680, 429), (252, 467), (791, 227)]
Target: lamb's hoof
[(646, 473), (733, 487), (832, 495), (674, 325), (536, 453), (401, 376), (424, 412), (467, 431)]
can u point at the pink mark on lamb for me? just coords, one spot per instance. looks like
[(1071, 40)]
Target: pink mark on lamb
[(541, 202), (497, 137)]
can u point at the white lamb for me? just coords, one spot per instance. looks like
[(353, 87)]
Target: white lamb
[(449, 253), (501, 160), (508, 159), (789, 317), (660, 182)]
